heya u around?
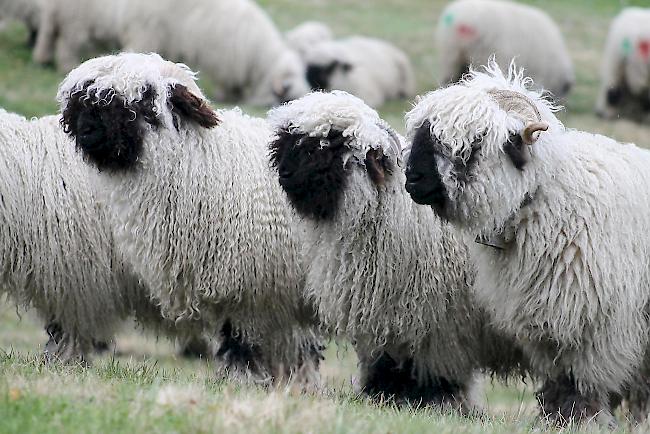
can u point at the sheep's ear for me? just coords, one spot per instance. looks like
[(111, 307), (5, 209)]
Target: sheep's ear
[(190, 107), (517, 151), (376, 166)]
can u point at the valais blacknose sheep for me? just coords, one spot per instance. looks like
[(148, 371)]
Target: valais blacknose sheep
[(57, 253), (562, 249), (307, 35), (194, 208), (471, 31), (233, 42), (625, 87), (374, 70), (386, 274)]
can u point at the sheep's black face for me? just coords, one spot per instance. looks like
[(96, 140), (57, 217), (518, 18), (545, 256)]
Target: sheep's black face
[(108, 131), (312, 175), (319, 76), (423, 180)]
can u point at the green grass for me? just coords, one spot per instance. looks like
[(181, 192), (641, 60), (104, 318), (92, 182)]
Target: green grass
[(148, 389)]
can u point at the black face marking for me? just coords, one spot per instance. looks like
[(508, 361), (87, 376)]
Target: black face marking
[(109, 133), (319, 76), (398, 382), (517, 151), (614, 96), (423, 181), (313, 177)]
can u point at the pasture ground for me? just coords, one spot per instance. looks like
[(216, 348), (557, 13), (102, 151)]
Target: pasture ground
[(144, 387)]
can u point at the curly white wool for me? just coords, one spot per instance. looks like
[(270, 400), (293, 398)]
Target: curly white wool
[(341, 111), (56, 252), (388, 274), (562, 286), (471, 31), (202, 221)]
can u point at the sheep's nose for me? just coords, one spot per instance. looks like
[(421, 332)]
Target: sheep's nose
[(285, 173)]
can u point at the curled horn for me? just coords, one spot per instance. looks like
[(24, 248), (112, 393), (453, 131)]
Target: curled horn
[(528, 135), (521, 105)]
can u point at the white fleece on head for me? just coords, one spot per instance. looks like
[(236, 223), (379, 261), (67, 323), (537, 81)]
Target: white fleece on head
[(128, 75), (462, 113), (317, 113)]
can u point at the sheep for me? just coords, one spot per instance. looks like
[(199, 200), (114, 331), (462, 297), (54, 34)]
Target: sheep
[(26, 11), (192, 207), (625, 71), (369, 68), (470, 31), (57, 255), (563, 263), (386, 274), (234, 42), (307, 35)]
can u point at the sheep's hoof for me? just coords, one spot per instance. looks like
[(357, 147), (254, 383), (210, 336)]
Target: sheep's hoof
[(562, 404), (391, 382), (62, 348)]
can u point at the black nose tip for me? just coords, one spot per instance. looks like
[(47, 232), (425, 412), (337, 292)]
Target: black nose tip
[(285, 173)]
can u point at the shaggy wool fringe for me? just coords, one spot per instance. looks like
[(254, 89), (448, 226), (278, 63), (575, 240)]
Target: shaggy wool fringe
[(387, 274), (573, 284)]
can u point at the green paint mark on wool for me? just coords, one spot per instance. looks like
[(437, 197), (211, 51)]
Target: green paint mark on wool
[(626, 46), (448, 19)]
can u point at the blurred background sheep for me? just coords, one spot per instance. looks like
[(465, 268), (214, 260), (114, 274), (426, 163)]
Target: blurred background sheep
[(25, 11), (470, 31), (234, 43), (625, 87)]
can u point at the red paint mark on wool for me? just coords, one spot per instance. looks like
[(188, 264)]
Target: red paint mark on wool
[(465, 31), (644, 48)]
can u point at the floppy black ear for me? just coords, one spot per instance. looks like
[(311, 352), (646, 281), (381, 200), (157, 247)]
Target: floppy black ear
[(517, 151), (192, 108), (377, 166)]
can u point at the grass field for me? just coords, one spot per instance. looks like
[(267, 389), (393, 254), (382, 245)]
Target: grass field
[(144, 387)]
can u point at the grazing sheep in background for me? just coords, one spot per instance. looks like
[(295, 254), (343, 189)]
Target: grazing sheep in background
[(564, 212), (625, 87), (385, 273), (471, 31), (26, 11), (307, 35), (193, 206), (57, 254), (369, 68), (233, 42)]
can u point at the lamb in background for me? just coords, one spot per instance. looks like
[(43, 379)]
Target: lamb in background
[(307, 35), (192, 205), (472, 31), (369, 68), (26, 11), (385, 273), (233, 42), (625, 72), (561, 215)]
